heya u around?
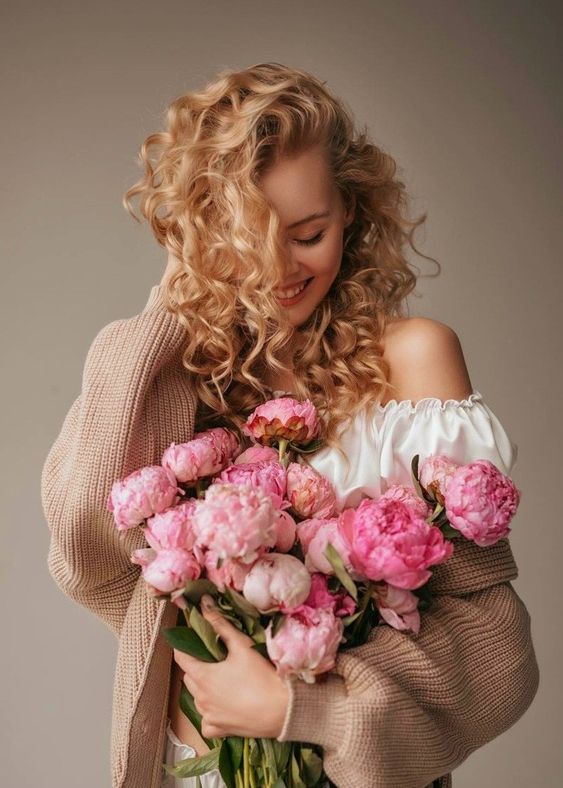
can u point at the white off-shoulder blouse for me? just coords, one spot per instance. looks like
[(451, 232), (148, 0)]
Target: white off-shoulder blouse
[(381, 446)]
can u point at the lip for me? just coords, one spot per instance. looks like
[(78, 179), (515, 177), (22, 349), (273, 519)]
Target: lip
[(299, 296)]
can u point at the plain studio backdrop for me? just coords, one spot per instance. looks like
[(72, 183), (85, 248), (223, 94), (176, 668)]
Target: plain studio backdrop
[(465, 95)]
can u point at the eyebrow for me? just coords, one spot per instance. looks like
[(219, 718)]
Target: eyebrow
[(317, 215)]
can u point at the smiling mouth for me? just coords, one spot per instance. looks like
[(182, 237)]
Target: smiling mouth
[(291, 293)]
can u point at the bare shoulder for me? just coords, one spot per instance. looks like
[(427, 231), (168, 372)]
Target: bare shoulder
[(425, 359)]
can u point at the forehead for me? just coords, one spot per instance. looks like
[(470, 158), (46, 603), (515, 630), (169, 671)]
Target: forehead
[(299, 185)]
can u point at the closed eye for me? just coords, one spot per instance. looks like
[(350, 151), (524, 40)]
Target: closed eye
[(310, 241)]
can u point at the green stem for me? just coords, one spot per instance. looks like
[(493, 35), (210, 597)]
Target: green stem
[(252, 778), (246, 763), (363, 607)]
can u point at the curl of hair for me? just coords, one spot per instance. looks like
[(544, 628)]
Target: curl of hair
[(200, 194)]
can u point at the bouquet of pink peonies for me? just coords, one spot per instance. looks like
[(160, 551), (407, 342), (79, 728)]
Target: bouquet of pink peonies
[(262, 534)]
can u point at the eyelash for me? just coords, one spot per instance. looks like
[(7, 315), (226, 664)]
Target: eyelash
[(311, 241)]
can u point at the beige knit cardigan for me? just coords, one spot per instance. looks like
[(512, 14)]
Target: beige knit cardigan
[(398, 712)]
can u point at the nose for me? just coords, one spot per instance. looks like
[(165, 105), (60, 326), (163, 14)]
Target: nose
[(292, 264)]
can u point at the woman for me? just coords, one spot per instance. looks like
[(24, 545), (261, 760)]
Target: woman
[(286, 236)]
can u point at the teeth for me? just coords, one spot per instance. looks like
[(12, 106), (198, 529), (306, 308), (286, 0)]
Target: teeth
[(291, 293)]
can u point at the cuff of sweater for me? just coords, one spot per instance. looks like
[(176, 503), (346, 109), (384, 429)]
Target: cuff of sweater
[(316, 713)]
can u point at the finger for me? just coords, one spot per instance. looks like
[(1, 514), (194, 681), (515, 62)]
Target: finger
[(232, 636), (189, 664)]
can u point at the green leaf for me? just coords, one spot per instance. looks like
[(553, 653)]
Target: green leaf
[(188, 641), (278, 622), (207, 634), (337, 564), (307, 448), (270, 754), (193, 767), (226, 765), (312, 766), (236, 745), (279, 783), (261, 648), (297, 782), (187, 706), (241, 604), (346, 620), (195, 589), (258, 633), (255, 756), (449, 532)]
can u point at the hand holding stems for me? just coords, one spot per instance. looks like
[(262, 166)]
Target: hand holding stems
[(242, 695)]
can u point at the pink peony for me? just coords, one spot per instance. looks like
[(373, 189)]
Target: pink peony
[(309, 493), (232, 572), (306, 643), (282, 418), (307, 529), (341, 603), (167, 570), (481, 501), (205, 455), (143, 493), (269, 475), (326, 531), (257, 454), (235, 520), (172, 528), (389, 541), (398, 607), (277, 581), (286, 531), (408, 495), (434, 474)]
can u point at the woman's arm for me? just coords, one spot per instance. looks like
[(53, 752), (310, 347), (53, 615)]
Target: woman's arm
[(405, 709), (136, 399)]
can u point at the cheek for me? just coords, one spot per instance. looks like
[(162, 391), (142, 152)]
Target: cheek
[(325, 261)]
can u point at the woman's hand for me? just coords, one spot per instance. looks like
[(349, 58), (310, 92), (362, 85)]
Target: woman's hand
[(243, 694)]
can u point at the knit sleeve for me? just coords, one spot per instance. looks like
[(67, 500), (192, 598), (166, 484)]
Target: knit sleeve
[(403, 710), (136, 399)]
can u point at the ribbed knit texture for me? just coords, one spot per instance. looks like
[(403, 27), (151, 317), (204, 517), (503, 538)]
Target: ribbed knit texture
[(398, 712)]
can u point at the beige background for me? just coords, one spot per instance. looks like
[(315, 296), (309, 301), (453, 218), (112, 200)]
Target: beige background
[(465, 95)]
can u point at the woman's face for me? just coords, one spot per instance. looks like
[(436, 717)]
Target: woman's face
[(297, 188)]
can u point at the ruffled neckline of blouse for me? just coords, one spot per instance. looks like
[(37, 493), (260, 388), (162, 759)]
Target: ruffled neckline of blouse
[(424, 404)]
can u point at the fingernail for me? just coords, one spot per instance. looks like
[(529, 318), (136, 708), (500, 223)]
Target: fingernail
[(207, 602)]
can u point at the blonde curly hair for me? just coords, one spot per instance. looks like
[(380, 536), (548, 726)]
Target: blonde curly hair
[(200, 194)]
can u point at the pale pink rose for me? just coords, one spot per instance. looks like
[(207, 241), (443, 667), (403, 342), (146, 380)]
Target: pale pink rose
[(434, 474), (277, 581), (389, 541), (408, 495), (167, 570), (282, 418), (232, 572), (172, 528), (309, 493), (143, 493), (205, 455), (269, 475), (398, 607), (341, 603), (235, 520), (315, 559), (257, 454), (306, 643), (481, 501)]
